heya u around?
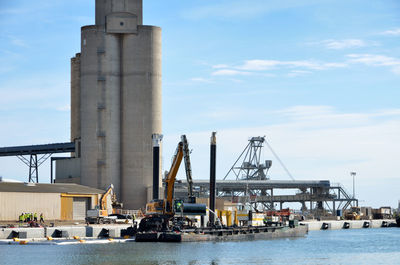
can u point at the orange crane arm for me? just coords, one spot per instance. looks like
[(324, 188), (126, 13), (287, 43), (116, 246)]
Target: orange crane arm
[(103, 200), (170, 179)]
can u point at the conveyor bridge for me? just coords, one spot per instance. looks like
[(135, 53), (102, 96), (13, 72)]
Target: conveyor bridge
[(44, 151)]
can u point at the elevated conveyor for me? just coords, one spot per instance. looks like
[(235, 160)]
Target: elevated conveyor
[(45, 150)]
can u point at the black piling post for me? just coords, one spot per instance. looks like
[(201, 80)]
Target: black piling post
[(156, 165), (213, 160)]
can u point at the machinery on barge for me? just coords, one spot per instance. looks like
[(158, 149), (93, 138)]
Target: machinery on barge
[(166, 220), (169, 214)]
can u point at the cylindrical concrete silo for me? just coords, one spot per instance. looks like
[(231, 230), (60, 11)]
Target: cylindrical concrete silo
[(120, 100), (141, 111), (76, 97), (89, 105), (109, 125)]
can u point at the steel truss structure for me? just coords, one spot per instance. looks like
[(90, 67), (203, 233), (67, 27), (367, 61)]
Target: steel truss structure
[(44, 152), (318, 197), (249, 164)]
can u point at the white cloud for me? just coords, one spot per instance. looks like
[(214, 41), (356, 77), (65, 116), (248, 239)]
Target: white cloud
[(303, 67), (343, 44), (258, 67), (372, 59), (393, 32), (376, 60), (295, 73), (230, 72)]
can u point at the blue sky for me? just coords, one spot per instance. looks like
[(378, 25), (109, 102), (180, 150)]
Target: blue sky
[(319, 78)]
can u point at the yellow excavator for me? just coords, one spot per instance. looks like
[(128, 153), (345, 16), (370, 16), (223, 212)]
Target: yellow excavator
[(107, 205), (160, 213)]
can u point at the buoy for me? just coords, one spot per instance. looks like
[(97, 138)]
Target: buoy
[(49, 238), (77, 237), (111, 239), (126, 237), (23, 242), (82, 241), (16, 239)]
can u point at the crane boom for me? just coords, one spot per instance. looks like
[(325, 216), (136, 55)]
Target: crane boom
[(103, 200), (171, 176), (188, 169)]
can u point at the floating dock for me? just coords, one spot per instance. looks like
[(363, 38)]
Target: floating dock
[(223, 234)]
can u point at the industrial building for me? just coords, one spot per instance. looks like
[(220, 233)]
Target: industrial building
[(55, 201), (115, 103)]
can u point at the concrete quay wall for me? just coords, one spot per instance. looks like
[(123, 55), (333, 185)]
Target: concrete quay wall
[(336, 225), (67, 232), (7, 233)]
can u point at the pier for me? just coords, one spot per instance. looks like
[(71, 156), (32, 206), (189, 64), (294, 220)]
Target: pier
[(347, 224)]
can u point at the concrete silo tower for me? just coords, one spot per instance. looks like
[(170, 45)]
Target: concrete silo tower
[(116, 100)]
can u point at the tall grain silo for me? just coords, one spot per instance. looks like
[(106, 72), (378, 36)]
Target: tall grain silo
[(116, 100)]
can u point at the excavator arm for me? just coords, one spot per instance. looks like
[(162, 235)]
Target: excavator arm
[(188, 168), (171, 177), (103, 200)]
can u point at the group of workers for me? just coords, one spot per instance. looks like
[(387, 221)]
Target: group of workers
[(29, 217)]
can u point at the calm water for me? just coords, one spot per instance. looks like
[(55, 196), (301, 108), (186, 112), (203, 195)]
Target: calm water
[(360, 246)]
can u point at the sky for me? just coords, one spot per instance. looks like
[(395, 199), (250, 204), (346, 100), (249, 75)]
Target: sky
[(319, 79)]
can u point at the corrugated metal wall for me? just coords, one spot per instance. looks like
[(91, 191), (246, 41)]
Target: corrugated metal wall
[(80, 206), (12, 204)]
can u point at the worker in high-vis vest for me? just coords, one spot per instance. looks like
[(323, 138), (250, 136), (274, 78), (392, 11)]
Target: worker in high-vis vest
[(21, 218), (35, 217)]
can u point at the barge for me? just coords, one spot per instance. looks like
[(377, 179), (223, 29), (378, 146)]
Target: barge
[(223, 234)]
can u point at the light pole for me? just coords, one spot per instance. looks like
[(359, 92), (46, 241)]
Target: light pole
[(353, 174)]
